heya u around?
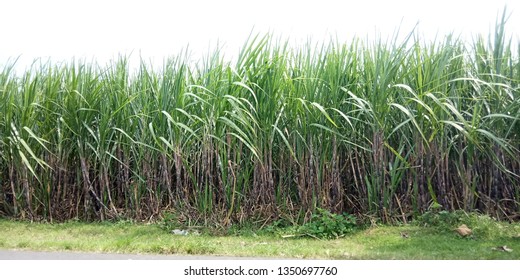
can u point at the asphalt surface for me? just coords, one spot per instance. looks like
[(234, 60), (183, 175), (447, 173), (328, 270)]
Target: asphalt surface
[(32, 255)]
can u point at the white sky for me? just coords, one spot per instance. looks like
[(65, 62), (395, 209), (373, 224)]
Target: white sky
[(102, 29)]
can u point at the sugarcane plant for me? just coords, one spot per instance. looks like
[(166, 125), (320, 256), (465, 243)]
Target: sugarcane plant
[(385, 128)]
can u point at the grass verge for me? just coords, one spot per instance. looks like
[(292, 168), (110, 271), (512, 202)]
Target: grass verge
[(377, 242)]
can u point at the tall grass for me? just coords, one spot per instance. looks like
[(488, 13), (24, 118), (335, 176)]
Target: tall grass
[(388, 129)]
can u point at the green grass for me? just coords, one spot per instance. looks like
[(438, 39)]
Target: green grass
[(378, 242)]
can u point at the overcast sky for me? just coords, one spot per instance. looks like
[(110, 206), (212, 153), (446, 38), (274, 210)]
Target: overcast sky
[(102, 29)]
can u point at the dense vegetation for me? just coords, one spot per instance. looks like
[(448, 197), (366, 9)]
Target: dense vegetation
[(387, 128)]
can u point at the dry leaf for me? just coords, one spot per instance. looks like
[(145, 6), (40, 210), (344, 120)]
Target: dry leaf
[(464, 230), (503, 249)]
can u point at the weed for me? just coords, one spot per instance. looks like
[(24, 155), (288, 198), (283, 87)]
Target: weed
[(68, 246), (280, 227), (170, 222), (443, 220), (326, 225), (23, 244)]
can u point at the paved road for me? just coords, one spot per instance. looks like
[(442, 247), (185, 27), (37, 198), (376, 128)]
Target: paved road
[(31, 255)]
